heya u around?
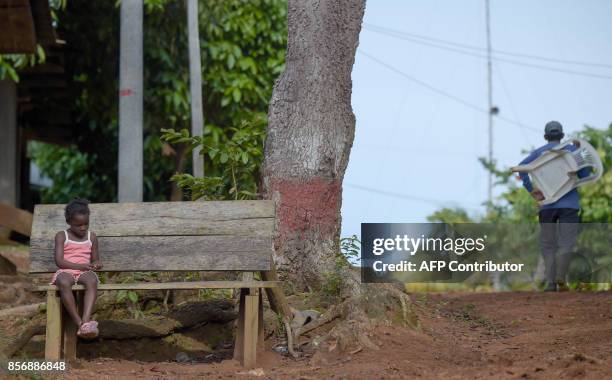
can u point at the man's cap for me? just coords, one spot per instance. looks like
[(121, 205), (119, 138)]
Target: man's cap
[(553, 128)]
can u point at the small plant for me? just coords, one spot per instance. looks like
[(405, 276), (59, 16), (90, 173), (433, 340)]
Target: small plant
[(205, 294), (211, 294), (130, 297), (350, 247), (239, 155), (332, 285), (280, 327), (192, 276), (124, 295), (333, 281)]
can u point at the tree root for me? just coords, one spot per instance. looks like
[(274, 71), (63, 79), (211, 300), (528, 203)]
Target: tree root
[(187, 316), (23, 309), (13, 344), (290, 340), (363, 308)]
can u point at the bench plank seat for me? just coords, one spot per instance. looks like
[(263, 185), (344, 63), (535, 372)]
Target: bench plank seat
[(173, 285)]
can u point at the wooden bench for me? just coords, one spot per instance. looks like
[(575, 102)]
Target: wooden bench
[(168, 236)]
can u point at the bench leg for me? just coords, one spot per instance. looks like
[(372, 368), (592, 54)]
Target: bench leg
[(53, 341), (239, 340), (248, 334), (250, 330), (260, 323), (70, 328)]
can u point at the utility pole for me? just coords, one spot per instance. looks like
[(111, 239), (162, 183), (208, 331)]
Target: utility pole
[(9, 151), (491, 109), (130, 103), (195, 84), (495, 276)]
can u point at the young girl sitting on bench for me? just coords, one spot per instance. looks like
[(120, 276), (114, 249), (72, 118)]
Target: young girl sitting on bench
[(76, 254)]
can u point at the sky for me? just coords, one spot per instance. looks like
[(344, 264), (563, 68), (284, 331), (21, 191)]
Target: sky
[(421, 110)]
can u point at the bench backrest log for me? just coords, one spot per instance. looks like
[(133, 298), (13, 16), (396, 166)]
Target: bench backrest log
[(166, 236)]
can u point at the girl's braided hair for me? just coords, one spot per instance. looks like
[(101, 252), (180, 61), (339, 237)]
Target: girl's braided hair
[(76, 206)]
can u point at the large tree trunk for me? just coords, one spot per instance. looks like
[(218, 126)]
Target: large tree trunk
[(310, 134)]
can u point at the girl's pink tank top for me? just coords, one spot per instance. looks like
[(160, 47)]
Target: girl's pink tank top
[(78, 252)]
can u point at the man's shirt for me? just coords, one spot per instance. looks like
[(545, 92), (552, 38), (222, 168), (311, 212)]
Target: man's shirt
[(569, 200)]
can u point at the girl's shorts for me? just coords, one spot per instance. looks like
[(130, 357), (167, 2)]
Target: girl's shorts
[(75, 274)]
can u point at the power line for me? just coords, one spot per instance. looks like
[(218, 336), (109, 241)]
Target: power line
[(512, 108), (443, 93), (372, 27), (402, 196), (439, 151), (509, 61)]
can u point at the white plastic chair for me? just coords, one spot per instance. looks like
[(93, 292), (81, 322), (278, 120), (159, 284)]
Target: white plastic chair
[(554, 172)]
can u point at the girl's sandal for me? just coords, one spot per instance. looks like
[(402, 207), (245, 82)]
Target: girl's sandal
[(88, 330)]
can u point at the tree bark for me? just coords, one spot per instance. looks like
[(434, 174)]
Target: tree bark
[(310, 134)]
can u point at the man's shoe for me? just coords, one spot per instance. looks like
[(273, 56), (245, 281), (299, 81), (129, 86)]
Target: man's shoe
[(550, 287)]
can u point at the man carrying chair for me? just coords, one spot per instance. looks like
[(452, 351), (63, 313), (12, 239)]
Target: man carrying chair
[(559, 219)]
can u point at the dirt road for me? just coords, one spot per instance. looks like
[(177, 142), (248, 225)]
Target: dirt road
[(462, 336)]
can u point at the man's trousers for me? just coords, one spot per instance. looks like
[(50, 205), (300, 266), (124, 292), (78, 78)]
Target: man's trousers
[(558, 234)]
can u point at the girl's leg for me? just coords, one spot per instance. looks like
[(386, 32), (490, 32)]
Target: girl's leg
[(64, 282), (90, 281)]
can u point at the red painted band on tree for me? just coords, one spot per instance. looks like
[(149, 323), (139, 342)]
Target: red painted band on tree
[(303, 205)]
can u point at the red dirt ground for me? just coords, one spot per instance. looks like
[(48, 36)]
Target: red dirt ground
[(462, 336)]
